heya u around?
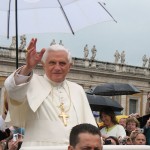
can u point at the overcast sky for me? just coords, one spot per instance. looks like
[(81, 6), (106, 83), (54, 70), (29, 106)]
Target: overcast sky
[(131, 33)]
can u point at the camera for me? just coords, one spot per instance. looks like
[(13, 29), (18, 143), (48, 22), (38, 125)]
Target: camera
[(108, 142), (141, 130), (15, 137), (124, 140)]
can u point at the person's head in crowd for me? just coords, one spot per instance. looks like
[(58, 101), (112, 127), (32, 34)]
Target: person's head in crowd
[(122, 122), (108, 116), (111, 140), (85, 136), (131, 125), (121, 119), (138, 139), (4, 134)]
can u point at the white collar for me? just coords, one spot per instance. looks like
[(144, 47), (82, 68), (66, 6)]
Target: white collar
[(55, 84)]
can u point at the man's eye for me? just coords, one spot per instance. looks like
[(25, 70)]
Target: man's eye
[(62, 63), (51, 63)]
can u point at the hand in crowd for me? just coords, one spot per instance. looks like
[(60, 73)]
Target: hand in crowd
[(125, 141), (13, 145), (135, 132), (148, 123), (136, 115)]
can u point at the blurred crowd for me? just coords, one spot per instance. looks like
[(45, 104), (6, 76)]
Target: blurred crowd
[(115, 130), (11, 137), (122, 129)]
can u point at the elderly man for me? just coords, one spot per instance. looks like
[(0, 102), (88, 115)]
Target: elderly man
[(46, 106), (85, 136)]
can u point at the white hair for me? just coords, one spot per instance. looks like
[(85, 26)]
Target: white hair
[(56, 47)]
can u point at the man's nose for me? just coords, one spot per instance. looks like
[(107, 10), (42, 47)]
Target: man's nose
[(57, 66)]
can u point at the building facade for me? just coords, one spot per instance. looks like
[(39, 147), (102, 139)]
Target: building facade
[(89, 73)]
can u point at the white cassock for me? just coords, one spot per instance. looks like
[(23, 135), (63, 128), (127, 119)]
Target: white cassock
[(34, 105)]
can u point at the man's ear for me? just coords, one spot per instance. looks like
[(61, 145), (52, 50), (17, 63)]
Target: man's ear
[(70, 147), (71, 64)]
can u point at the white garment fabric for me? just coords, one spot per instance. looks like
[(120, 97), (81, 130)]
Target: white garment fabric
[(105, 147), (34, 105), (117, 131), (3, 125)]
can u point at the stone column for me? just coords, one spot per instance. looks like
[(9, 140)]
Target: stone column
[(144, 102), (123, 103)]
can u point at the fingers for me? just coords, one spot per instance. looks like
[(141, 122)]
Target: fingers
[(13, 144), (42, 52), (32, 44), (32, 47)]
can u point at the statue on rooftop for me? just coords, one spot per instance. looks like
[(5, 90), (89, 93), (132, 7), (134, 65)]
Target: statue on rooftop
[(13, 43), (117, 56), (53, 42), (93, 50), (149, 63), (145, 59), (86, 51), (60, 43), (23, 42), (123, 57)]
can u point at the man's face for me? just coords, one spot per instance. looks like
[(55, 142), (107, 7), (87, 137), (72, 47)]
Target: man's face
[(57, 65), (88, 141), (140, 140)]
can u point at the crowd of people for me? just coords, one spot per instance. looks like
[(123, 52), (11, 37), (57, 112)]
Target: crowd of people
[(57, 110), (110, 132), (11, 137), (125, 131)]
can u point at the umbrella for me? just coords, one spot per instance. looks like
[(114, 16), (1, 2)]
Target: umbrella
[(20, 17), (110, 89), (97, 102)]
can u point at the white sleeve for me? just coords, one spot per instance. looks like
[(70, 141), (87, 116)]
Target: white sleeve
[(17, 85), (121, 131), (2, 123), (19, 79)]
